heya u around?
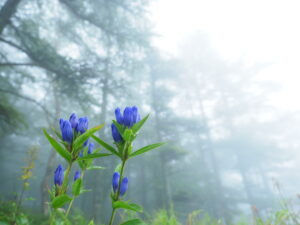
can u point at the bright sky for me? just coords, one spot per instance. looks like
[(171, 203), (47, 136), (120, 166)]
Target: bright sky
[(256, 30)]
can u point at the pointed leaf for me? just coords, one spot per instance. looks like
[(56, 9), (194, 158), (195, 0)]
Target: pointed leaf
[(91, 222), (126, 205), (83, 137), (57, 133), (93, 156), (85, 190), (133, 222), (136, 127), (106, 146), (120, 128), (128, 135), (60, 149), (95, 168), (97, 150), (76, 187), (146, 149), (60, 200), (118, 168)]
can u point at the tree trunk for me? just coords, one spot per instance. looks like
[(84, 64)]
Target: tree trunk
[(51, 159), (6, 12), (99, 195), (219, 205), (163, 189)]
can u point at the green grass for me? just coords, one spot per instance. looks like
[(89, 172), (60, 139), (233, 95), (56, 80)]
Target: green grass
[(161, 217)]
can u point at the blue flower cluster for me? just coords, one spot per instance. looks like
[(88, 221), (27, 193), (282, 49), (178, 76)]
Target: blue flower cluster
[(67, 126), (130, 117), (115, 183)]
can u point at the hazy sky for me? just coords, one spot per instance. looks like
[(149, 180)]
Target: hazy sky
[(256, 31)]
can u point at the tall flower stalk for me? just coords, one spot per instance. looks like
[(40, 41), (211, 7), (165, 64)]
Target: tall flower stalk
[(124, 131), (71, 144)]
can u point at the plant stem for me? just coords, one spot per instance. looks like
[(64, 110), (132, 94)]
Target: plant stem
[(20, 200), (71, 203), (118, 192), (65, 182), (69, 208), (112, 217)]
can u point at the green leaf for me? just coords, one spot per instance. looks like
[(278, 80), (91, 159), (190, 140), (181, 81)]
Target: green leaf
[(60, 150), (97, 150), (126, 205), (84, 191), (128, 135), (120, 127), (146, 149), (83, 137), (136, 127), (76, 187), (106, 146), (118, 168), (93, 156), (60, 200), (91, 222), (57, 133), (95, 168), (133, 222)]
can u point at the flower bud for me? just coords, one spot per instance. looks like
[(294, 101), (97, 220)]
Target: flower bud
[(77, 175), (119, 116), (61, 121), (73, 120), (91, 147), (135, 114), (66, 130), (115, 181), (124, 186), (59, 175), (82, 125), (115, 133), (128, 117)]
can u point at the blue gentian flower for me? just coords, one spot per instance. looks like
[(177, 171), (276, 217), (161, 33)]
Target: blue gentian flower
[(130, 116), (59, 175), (115, 133), (73, 120), (119, 116), (82, 125), (80, 154), (124, 186), (66, 130), (77, 175), (115, 181), (135, 114), (91, 147), (61, 121)]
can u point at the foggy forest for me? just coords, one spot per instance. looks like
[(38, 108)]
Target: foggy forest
[(138, 112)]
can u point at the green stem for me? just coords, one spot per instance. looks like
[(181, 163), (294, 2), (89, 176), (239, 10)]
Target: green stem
[(66, 177), (71, 203), (112, 217), (69, 208), (118, 192)]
